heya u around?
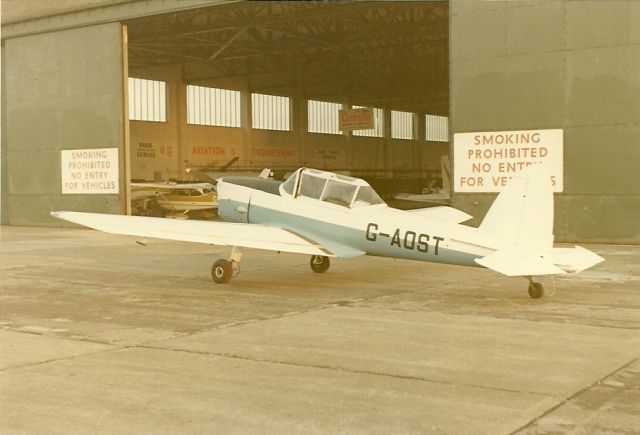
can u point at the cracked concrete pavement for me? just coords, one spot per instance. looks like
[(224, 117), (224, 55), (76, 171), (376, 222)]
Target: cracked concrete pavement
[(99, 334)]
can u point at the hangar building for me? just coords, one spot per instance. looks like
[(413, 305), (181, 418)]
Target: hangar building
[(238, 86)]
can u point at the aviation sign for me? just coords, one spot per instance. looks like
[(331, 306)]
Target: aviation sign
[(485, 161)]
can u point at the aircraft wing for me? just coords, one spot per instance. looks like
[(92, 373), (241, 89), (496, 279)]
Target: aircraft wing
[(443, 213), (213, 233), (519, 262)]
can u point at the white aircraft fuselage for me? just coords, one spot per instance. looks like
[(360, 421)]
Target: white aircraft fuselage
[(376, 230), (331, 215)]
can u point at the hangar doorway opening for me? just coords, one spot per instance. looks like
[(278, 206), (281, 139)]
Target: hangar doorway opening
[(238, 87)]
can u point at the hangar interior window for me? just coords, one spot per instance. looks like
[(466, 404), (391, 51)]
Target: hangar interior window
[(402, 125), (147, 100), (323, 117), (437, 128), (213, 106), (378, 124), (270, 112)]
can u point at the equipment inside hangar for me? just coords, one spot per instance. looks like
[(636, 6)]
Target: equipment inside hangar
[(243, 86)]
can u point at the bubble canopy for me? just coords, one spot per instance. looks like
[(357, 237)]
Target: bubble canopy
[(330, 187)]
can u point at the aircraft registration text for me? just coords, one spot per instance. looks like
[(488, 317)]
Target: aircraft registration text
[(405, 239)]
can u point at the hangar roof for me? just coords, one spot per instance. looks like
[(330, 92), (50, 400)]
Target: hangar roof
[(21, 10), (392, 54), (371, 53)]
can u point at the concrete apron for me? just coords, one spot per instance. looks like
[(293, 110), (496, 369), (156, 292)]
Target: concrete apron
[(101, 334)]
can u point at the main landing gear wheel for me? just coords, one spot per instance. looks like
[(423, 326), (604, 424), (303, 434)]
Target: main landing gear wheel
[(536, 290), (319, 263), (222, 271)]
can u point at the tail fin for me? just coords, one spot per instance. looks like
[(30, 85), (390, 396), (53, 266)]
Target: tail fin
[(523, 212)]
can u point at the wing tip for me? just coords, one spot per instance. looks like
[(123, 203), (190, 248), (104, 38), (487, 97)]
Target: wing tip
[(59, 214)]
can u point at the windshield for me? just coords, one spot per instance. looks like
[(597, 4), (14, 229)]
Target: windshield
[(288, 185), (367, 196)]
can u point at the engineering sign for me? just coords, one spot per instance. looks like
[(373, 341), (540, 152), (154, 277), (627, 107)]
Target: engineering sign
[(485, 161)]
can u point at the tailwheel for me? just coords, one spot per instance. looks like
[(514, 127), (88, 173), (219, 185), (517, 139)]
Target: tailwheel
[(319, 263), (222, 271), (536, 289)]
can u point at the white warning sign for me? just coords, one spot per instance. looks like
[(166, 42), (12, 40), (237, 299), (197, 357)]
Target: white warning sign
[(485, 161), (92, 171)]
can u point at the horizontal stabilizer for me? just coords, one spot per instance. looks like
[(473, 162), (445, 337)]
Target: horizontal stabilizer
[(574, 260), (213, 233), (519, 262), (443, 213)]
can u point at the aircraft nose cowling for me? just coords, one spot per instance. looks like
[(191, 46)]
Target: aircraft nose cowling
[(233, 202)]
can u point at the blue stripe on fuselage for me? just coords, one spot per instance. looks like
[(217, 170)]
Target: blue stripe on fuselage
[(402, 247)]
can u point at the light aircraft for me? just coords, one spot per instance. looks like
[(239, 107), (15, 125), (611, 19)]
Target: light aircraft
[(324, 215), (175, 199)]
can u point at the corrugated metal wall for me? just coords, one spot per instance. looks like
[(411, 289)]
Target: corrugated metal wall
[(564, 64), (61, 90)]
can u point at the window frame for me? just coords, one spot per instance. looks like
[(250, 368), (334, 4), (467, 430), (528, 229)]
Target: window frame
[(210, 113), (138, 97)]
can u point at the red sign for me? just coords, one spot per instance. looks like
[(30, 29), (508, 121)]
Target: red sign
[(356, 119)]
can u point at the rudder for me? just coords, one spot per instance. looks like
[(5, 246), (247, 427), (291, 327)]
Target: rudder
[(522, 214)]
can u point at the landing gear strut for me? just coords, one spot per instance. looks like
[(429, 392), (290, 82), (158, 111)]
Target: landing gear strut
[(319, 263), (223, 270), (536, 289)]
